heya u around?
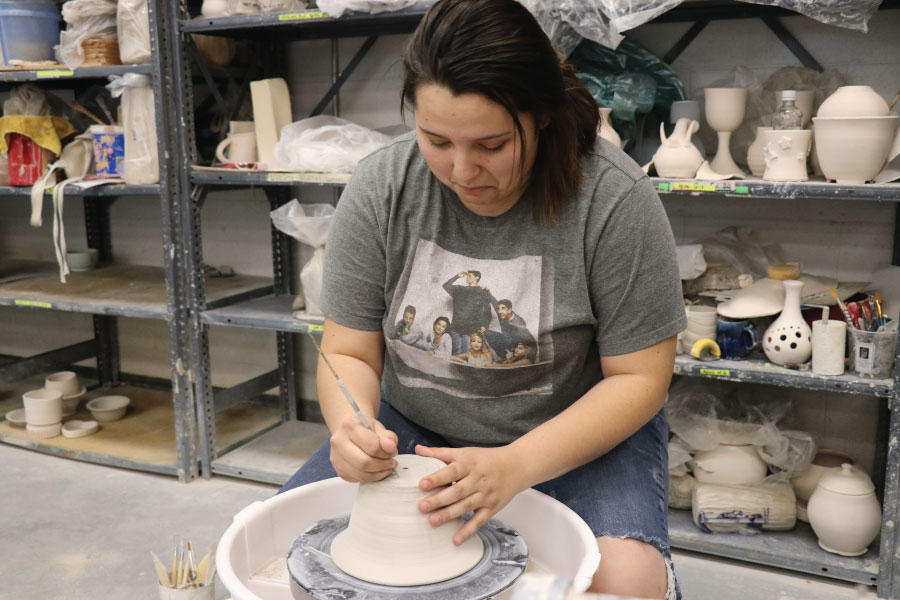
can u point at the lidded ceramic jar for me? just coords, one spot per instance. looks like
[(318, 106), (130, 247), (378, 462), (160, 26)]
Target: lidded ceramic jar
[(844, 512), (854, 101), (729, 464)]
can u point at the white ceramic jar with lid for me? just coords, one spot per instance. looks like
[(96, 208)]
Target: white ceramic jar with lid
[(844, 512)]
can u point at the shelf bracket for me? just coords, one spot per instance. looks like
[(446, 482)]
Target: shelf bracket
[(345, 74), (689, 36), (48, 361), (247, 390), (793, 44)]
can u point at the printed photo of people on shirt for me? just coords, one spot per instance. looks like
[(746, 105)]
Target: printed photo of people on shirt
[(456, 314)]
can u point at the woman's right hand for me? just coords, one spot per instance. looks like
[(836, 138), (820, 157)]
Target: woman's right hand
[(359, 454)]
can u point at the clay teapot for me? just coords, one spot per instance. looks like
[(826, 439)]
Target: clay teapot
[(844, 512), (677, 156)]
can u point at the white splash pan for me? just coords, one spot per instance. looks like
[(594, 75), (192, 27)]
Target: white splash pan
[(250, 559)]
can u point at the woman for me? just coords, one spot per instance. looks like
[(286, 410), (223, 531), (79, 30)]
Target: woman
[(504, 174), (439, 343), (522, 354), (478, 354)]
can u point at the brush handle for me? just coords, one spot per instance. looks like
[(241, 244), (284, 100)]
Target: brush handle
[(845, 312)]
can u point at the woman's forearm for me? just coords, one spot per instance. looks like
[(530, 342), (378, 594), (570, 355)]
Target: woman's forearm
[(359, 377)]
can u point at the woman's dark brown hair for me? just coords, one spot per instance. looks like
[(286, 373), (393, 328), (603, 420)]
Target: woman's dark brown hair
[(497, 49)]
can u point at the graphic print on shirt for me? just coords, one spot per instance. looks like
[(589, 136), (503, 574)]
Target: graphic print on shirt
[(470, 327)]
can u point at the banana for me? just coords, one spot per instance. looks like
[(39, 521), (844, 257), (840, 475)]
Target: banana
[(706, 349)]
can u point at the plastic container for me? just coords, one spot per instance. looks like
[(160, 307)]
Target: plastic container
[(250, 559), (109, 149), (872, 353), (28, 30)]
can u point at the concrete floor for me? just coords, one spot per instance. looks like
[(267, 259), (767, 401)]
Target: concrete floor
[(78, 531)]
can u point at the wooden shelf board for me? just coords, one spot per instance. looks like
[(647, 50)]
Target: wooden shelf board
[(119, 290)]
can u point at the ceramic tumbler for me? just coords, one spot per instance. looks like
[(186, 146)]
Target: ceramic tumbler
[(736, 338), (828, 344)]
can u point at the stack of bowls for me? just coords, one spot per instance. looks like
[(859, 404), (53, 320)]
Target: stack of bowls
[(701, 324), (43, 412), (854, 133), (67, 384)]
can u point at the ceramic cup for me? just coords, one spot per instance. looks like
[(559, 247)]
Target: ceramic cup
[(736, 338), (64, 382), (828, 344), (702, 315), (241, 148), (785, 153), (43, 407)]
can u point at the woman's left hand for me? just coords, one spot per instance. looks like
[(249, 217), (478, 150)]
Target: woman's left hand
[(486, 480)]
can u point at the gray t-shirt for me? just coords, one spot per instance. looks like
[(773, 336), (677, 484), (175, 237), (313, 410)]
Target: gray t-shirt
[(601, 280)]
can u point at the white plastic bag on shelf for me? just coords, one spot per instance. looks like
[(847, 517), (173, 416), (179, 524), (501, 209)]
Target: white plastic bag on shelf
[(133, 30), (336, 8), (85, 19), (27, 99), (277, 6), (139, 120), (326, 144), (310, 224)]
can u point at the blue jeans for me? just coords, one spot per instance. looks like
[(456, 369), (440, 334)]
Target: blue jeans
[(622, 494)]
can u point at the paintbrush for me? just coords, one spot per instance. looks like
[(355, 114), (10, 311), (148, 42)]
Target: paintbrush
[(343, 387), (847, 317), (878, 307)]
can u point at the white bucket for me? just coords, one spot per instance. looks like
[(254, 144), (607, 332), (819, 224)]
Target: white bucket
[(250, 559)]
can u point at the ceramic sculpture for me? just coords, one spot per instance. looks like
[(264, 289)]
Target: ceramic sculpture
[(844, 512), (724, 113), (756, 159), (605, 128), (390, 542), (785, 153), (677, 156), (788, 340)]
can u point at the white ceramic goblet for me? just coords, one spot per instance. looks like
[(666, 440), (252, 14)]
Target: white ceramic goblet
[(724, 113)]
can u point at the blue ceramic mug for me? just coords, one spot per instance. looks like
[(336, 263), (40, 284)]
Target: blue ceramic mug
[(735, 338)]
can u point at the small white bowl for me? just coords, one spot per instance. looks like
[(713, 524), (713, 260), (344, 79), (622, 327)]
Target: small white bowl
[(77, 429), (64, 382), (70, 403), (43, 431), (108, 408), (16, 417), (82, 260)]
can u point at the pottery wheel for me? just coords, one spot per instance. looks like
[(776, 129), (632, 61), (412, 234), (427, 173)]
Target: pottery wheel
[(313, 572)]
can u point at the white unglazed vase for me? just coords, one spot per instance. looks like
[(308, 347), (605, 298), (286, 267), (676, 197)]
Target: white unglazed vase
[(785, 153), (729, 464), (854, 101), (605, 128), (756, 158), (844, 512), (788, 340)]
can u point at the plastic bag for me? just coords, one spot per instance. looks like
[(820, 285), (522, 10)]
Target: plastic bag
[(28, 100), (849, 14), (567, 23), (336, 8), (326, 144), (133, 30), (276, 6), (704, 414), (310, 224), (139, 120), (736, 246), (86, 19), (630, 80)]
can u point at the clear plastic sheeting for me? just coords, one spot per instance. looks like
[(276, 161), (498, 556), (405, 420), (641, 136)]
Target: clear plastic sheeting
[(567, 23), (310, 224), (849, 14), (336, 8), (133, 29), (705, 413), (325, 144), (139, 120), (85, 19)]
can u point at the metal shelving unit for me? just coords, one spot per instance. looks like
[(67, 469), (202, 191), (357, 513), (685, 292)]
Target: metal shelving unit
[(796, 550)]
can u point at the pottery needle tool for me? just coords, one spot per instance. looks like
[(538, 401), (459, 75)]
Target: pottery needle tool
[(344, 389), (846, 314)]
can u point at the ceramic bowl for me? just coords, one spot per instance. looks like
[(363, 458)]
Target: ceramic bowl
[(77, 429), (64, 382), (108, 408), (82, 260), (852, 150), (16, 417), (70, 403)]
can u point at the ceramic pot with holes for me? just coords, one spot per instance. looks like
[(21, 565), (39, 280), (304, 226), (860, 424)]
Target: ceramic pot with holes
[(788, 340), (844, 512)]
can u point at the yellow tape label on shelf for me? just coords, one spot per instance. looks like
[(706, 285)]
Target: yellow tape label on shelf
[(54, 73), (33, 304), (716, 372), (316, 328), (302, 16)]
